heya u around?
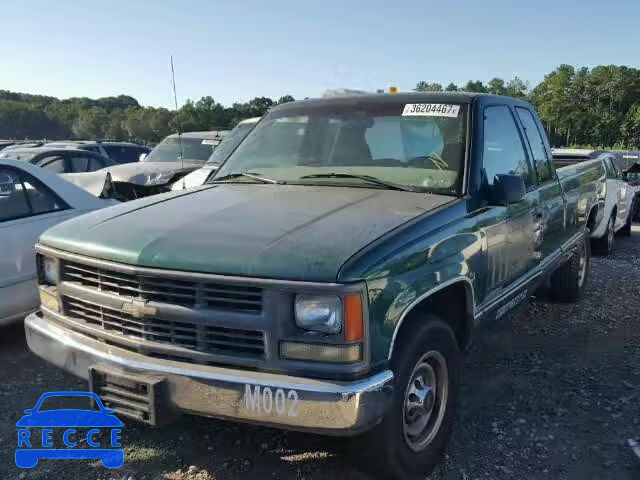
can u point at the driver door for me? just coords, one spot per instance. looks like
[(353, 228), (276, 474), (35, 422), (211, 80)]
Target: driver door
[(511, 231)]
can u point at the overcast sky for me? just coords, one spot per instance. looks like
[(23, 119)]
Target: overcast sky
[(234, 50)]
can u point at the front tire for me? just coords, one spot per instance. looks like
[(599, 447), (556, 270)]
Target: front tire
[(570, 280), (410, 440)]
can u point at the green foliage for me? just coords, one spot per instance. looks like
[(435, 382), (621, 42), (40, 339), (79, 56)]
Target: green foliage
[(428, 87), (598, 107), (25, 116), (578, 106)]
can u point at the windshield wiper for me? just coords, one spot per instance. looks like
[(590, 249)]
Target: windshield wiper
[(368, 178), (255, 176)]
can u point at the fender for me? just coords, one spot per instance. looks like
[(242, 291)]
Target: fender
[(470, 305)]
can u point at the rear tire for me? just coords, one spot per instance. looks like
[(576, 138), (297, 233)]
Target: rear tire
[(625, 231), (604, 246), (569, 281), (409, 441)]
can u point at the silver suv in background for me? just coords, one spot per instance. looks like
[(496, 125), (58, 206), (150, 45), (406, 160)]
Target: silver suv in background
[(170, 160), (219, 155)]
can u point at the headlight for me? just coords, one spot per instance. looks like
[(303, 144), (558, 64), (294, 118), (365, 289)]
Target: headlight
[(50, 270), (320, 313), (150, 179)]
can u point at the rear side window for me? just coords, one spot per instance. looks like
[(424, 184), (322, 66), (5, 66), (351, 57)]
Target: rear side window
[(123, 153), (41, 199), (53, 164), (96, 164), (536, 143), (13, 201), (503, 152), (24, 196), (79, 164)]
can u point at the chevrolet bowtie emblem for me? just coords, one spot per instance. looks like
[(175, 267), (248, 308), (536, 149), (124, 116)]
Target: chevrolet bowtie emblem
[(138, 309)]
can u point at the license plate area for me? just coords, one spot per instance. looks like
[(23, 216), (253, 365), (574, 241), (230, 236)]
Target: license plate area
[(138, 397)]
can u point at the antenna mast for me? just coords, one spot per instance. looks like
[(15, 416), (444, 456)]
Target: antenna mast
[(175, 101)]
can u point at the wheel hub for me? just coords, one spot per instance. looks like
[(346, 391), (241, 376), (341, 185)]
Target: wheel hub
[(425, 400)]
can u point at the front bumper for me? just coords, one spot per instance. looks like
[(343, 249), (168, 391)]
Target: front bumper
[(320, 406)]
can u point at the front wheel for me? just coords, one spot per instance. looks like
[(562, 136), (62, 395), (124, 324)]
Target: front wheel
[(570, 280), (409, 442)]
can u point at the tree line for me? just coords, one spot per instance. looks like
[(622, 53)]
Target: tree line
[(597, 107), (25, 116)]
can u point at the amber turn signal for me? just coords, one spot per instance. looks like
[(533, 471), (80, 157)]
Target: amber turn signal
[(353, 321)]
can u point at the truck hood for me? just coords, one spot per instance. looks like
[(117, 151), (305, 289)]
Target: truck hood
[(269, 231), (137, 172)]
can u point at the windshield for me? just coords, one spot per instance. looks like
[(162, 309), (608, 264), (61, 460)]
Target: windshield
[(421, 148), (230, 142), (194, 150)]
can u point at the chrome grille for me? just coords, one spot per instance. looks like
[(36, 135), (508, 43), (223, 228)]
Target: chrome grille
[(156, 332), (166, 290)]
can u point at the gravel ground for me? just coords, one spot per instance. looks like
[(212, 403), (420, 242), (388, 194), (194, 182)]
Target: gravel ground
[(552, 392)]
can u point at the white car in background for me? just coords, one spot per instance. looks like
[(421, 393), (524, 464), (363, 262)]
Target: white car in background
[(219, 155), (617, 196), (32, 199)]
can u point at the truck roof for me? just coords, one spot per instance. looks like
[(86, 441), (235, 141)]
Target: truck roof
[(203, 135), (407, 97)]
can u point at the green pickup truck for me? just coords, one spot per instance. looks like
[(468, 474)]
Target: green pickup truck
[(327, 281)]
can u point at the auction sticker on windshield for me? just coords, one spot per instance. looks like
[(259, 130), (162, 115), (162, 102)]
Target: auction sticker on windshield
[(431, 110)]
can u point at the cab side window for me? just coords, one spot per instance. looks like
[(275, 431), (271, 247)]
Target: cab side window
[(616, 171), (608, 166), (536, 144), (503, 152)]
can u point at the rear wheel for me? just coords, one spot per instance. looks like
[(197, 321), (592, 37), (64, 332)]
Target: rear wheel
[(409, 442), (570, 280), (625, 231), (604, 246)]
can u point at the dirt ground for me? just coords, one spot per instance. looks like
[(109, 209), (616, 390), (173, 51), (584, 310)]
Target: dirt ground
[(551, 392)]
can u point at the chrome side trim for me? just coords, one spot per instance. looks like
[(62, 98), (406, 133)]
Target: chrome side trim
[(541, 269), (437, 288)]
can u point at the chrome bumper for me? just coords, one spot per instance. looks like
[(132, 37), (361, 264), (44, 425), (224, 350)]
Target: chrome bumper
[(320, 406)]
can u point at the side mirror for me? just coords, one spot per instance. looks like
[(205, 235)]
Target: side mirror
[(507, 189), (142, 156)]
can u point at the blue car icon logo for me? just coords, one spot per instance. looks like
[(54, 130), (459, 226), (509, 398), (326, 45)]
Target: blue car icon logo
[(57, 433)]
